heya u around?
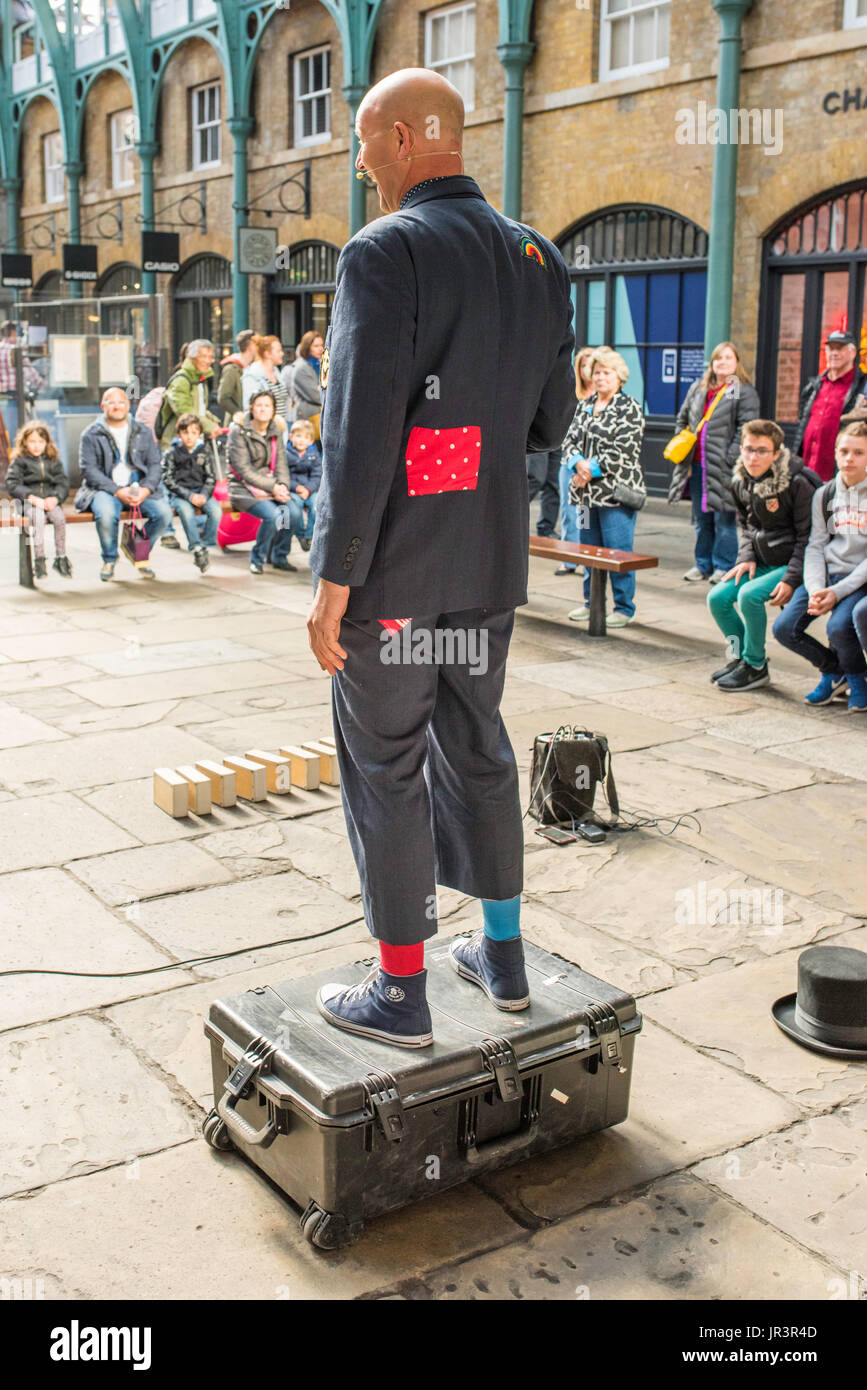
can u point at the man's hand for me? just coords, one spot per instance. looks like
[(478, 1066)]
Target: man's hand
[(323, 625), (281, 492), (124, 494), (737, 574), (303, 492), (198, 499), (821, 601), (779, 597), (50, 503)]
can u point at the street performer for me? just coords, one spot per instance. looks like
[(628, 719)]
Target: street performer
[(448, 358)]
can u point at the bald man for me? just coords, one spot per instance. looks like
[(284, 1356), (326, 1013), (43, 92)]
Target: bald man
[(448, 358)]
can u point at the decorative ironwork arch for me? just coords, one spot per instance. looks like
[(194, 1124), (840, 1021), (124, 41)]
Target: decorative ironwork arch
[(833, 224), (633, 234), (122, 278), (203, 274), (310, 263)]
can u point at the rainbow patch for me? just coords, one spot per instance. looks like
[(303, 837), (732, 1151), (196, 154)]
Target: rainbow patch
[(532, 251)]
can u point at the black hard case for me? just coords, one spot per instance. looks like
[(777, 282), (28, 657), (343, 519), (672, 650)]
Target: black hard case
[(350, 1128)]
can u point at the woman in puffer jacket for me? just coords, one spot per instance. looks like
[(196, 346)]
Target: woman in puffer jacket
[(259, 483)]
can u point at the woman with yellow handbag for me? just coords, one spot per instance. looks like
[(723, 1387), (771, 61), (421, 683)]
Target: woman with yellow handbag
[(704, 453)]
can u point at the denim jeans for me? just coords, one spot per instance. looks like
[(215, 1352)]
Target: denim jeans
[(280, 522), (569, 528), (847, 632), (739, 612), (106, 510), (309, 504), (716, 536), (199, 529), (542, 474), (613, 527)]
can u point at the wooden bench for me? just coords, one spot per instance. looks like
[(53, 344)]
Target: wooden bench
[(599, 561), (73, 518)]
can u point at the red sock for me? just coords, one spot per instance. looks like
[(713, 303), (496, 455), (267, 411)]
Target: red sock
[(401, 960)]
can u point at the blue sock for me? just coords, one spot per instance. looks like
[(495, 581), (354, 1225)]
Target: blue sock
[(502, 919)]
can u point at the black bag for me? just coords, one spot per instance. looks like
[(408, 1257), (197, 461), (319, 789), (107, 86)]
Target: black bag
[(626, 496), (349, 1128), (567, 767), (83, 500)]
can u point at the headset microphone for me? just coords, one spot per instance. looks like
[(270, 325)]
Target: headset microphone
[(377, 167)]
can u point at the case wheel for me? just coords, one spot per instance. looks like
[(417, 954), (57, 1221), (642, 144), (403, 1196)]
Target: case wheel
[(215, 1132), (328, 1230)]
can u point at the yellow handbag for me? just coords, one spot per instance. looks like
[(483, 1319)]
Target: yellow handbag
[(682, 445)]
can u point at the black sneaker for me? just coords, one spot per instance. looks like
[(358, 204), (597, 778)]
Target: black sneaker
[(744, 677), (305, 542), (284, 565), (497, 966), (202, 558), (62, 565), (725, 670), (170, 541), (39, 568)]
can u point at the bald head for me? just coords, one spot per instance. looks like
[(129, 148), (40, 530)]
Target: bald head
[(410, 127)]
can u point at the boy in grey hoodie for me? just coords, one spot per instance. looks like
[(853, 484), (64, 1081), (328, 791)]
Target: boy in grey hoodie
[(835, 579)]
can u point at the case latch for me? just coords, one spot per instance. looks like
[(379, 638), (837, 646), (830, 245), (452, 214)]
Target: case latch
[(385, 1099), (501, 1061), (257, 1054), (604, 1022)]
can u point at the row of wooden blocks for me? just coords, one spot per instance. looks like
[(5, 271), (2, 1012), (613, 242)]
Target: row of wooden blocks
[(199, 786)]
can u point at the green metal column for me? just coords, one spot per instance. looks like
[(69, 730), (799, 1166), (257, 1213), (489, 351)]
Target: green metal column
[(12, 189), (514, 57), (352, 94), (74, 170), (241, 127), (146, 151), (721, 245)]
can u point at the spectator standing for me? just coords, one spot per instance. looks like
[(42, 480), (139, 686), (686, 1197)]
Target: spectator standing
[(824, 400), (230, 394), (308, 396), (188, 390), (189, 476), (263, 375), (835, 580), (773, 494), (259, 483), (8, 392), (569, 528), (37, 480), (287, 376), (120, 465), (603, 445), (705, 475), (305, 471)]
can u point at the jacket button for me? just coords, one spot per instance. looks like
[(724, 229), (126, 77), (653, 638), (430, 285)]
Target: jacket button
[(355, 542), (347, 564)]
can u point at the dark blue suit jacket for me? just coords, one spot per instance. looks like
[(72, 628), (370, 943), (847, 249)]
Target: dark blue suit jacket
[(449, 356)]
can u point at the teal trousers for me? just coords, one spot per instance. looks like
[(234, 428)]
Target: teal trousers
[(738, 609)]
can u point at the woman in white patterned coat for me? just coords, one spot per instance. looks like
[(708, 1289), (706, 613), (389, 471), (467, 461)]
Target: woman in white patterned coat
[(603, 445)]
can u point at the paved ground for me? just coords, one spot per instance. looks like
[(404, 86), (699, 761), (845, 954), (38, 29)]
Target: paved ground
[(740, 1171)]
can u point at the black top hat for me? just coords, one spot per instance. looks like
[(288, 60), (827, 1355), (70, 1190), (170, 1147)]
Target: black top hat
[(829, 1012), (840, 336)]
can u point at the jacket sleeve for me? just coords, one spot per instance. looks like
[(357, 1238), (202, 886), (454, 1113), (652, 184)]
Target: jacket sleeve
[(250, 382), (314, 472), (15, 481), (210, 479), (815, 566), (682, 420), (746, 554), (619, 451), (179, 394), (152, 459), (91, 467), (747, 409), (556, 406), (372, 345), (802, 505), (306, 385), (571, 443), (169, 477), (60, 481), (805, 405), (239, 461), (228, 393)]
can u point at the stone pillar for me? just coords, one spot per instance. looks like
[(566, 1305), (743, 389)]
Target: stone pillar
[(721, 247)]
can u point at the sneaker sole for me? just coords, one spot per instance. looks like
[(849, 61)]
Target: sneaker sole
[(507, 1005), (817, 704), (739, 689), (397, 1039)]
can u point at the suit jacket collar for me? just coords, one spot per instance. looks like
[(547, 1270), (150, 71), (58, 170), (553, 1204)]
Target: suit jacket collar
[(453, 186)]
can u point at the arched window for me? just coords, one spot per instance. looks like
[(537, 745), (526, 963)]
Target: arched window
[(203, 303), (50, 286), (121, 279), (814, 280), (300, 295)]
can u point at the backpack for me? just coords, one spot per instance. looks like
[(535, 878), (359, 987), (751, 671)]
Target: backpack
[(828, 490), (154, 411)]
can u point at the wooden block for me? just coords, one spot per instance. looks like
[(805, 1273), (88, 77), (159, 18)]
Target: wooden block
[(304, 766), (199, 789), (277, 770), (250, 778), (224, 787), (171, 792), (327, 738), (329, 772)]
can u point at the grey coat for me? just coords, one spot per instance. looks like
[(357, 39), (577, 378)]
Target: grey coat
[(250, 463), (305, 385), (722, 441)]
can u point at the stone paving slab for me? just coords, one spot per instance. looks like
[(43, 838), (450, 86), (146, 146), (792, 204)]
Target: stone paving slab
[(196, 627), (752, 767), (802, 840), (677, 703), (131, 805), (204, 603), (50, 922), (24, 676), (136, 658), (293, 693), (99, 759), (81, 1101), (193, 1224), (646, 782), (269, 729), (679, 1240), (18, 729), (50, 829), (48, 646), (174, 685), (93, 720), (808, 1182), (586, 677), (728, 1016), (766, 728), (844, 752), (273, 847), (682, 1105), (133, 875)]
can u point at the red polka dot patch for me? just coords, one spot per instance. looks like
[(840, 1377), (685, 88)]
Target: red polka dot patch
[(443, 460)]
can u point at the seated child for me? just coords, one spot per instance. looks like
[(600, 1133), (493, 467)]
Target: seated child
[(773, 493), (835, 579), (37, 480), (305, 471), (189, 475)]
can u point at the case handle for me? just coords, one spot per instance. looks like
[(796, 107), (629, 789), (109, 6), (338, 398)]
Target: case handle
[(502, 1147), (238, 1126)]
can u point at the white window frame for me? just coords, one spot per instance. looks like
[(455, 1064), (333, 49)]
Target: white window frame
[(607, 19), (198, 127), (443, 64), (851, 18), (122, 127), (55, 188), (301, 101)]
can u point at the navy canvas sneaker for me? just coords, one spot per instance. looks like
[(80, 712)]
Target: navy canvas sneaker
[(390, 1008), (498, 966)]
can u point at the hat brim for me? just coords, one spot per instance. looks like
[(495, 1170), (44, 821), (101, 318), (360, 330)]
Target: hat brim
[(784, 1017)]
